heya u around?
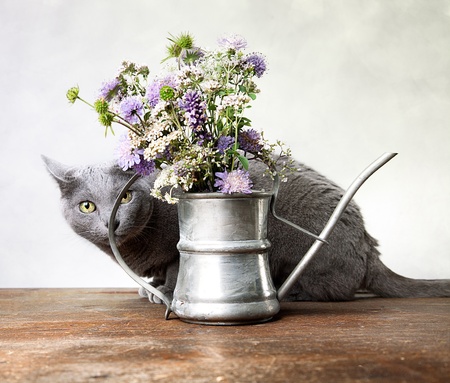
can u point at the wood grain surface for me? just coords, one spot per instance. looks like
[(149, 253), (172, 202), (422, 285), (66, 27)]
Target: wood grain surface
[(106, 335)]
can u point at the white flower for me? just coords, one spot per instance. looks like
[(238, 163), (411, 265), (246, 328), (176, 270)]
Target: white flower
[(189, 74), (210, 86), (166, 178), (236, 101), (157, 146)]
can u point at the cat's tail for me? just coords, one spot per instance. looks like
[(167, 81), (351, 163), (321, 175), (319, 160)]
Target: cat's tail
[(383, 282)]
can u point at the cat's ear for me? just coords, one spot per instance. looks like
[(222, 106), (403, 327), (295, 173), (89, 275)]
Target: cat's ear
[(63, 174)]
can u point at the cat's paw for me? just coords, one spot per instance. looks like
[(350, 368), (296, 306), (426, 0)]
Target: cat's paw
[(143, 293), (152, 297)]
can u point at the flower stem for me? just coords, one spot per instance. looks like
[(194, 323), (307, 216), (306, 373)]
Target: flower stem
[(128, 126), (87, 103)]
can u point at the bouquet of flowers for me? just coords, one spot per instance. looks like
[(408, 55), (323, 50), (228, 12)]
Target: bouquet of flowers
[(188, 121)]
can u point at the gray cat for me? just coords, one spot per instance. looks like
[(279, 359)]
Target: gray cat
[(147, 233)]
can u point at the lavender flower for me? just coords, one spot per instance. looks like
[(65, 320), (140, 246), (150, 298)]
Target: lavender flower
[(250, 141), (236, 181), (108, 89), (152, 93), (258, 62), (202, 136), (195, 109), (126, 155), (224, 143), (234, 42), (130, 108), (143, 167)]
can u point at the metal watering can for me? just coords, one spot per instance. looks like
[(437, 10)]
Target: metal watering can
[(224, 276)]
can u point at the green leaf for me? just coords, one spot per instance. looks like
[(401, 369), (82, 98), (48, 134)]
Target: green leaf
[(111, 129), (244, 122), (244, 161), (252, 96), (147, 116), (242, 88)]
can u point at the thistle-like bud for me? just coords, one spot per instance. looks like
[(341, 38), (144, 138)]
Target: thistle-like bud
[(72, 94), (106, 119), (167, 93), (101, 106), (179, 44)]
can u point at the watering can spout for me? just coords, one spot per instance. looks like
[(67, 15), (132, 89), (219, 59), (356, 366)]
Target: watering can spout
[(334, 218)]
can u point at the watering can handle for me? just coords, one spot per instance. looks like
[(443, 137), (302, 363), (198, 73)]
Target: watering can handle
[(118, 256), (273, 202), (337, 213)]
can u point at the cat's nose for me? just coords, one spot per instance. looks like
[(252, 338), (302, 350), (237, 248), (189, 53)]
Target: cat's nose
[(116, 224)]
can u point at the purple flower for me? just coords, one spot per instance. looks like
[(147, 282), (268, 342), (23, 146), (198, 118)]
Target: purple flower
[(224, 143), (234, 42), (152, 93), (153, 90), (258, 62), (202, 136), (130, 108), (166, 154), (179, 169), (194, 108), (108, 89), (144, 167), (250, 141), (237, 181), (126, 155)]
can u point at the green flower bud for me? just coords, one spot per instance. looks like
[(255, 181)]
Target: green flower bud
[(72, 94), (179, 44), (101, 106), (106, 119), (167, 93), (185, 41)]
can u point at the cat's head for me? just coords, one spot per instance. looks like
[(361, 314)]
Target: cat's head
[(88, 195)]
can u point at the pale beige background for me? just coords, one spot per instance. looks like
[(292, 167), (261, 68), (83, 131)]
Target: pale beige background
[(348, 80)]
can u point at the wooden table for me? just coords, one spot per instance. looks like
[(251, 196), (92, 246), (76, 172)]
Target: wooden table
[(105, 335)]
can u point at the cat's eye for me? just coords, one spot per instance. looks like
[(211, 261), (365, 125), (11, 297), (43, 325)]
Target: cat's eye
[(127, 197), (87, 207)]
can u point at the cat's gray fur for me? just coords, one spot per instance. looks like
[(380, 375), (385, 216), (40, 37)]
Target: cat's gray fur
[(147, 232)]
